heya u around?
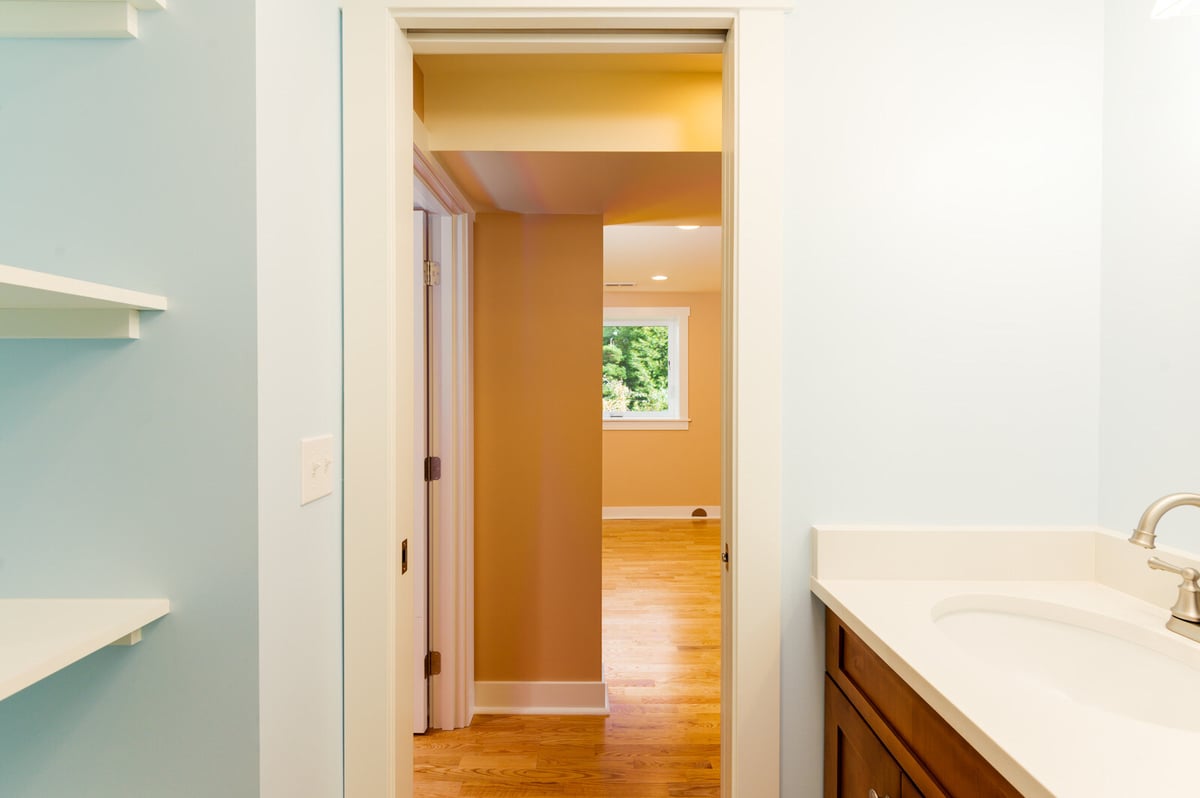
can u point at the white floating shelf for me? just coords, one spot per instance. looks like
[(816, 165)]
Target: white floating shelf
[(41, 636), (38, 305), (72, 19)]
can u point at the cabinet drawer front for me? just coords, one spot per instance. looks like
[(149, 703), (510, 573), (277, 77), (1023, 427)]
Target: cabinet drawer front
[(937, 758)]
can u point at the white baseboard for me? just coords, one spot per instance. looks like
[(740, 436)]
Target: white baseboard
[(650, 513), (541, 698)]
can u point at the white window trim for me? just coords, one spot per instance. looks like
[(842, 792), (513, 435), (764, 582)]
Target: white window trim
[(630, 424), (678, 319)]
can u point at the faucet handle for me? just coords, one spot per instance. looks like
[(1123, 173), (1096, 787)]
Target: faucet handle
[(1187, 606), (1159, 564)]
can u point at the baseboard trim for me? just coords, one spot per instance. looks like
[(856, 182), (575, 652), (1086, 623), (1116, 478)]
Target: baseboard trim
[(541, 698), (651, 513)]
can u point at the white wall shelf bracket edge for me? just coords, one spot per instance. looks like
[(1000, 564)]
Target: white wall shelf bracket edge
[(35, 304), (72, 19), (39, 637)]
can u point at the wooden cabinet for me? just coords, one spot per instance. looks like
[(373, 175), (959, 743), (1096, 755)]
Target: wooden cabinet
[(907, 788), (880, 735), (856, 763)]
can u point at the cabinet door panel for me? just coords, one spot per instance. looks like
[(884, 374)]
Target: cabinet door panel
[(855, 761), (925, 745), (907, 788)]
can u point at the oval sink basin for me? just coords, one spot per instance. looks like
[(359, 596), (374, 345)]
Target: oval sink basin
[(1095, 660)]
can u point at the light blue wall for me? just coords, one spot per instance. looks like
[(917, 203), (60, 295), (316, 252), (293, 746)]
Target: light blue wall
[(1150, 417), (940, 349), (129, 468)]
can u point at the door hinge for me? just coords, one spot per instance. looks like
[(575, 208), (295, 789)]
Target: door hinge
[(433, 664), (433, 469), (433, 273), (725, 556)]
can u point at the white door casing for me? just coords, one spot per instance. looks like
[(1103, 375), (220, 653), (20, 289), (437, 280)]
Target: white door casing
[(377, 140)]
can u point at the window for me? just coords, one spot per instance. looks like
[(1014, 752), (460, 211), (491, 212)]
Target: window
[(644, 380)]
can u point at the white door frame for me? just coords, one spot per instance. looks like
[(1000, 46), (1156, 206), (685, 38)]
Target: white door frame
[(452, 539), (377, 142), (424, 513)]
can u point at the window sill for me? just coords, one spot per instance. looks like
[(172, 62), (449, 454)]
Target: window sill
[(646, 423)]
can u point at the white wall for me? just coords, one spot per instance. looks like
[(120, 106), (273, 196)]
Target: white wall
[(941, 355), (1150, 420), (299, 395)]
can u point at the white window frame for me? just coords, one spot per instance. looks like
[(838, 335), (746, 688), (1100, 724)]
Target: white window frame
[(676, 320)]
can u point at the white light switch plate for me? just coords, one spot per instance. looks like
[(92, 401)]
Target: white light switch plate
[(316, 468)]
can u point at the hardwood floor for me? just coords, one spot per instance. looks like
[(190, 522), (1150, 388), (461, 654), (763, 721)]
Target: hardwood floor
[(662, 635)]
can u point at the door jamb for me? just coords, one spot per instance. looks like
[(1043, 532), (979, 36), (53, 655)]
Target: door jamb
[(377, 92), (452, 541)]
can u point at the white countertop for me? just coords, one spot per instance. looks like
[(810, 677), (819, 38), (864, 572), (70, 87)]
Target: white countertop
[(889, 584)]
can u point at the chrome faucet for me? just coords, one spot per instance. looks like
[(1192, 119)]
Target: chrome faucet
[(1185, 615)]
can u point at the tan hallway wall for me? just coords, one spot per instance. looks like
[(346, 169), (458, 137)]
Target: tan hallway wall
[(673, 467), (537, 313)]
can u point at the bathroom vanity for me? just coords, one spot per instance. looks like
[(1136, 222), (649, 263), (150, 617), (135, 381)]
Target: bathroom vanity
[(989, 663), (882, 739)]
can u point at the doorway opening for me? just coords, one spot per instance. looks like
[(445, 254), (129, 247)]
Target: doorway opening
[(379, 363), (561, 209)]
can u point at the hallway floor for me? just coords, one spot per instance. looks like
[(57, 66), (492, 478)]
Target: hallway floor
[(662, 634)]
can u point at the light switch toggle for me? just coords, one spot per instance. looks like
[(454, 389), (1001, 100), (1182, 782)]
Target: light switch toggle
[(316, 468)]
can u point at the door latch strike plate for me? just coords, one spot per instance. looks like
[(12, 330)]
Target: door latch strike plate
[(725, 556)]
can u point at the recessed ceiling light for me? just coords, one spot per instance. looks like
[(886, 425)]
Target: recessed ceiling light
[(688, 226), (659, 277)]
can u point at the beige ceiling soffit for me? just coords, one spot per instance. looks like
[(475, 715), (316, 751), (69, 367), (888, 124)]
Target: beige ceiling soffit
[(499, 42), (72, 19)]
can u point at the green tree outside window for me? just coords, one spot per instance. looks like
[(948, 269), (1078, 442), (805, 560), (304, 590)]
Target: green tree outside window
[(636, 370)]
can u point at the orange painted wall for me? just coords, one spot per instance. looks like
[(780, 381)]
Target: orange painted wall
[(673, 467), (557, 110), (537, 314), (418, 91)]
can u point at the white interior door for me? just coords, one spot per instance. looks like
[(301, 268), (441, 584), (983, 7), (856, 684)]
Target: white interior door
[(418, 554)]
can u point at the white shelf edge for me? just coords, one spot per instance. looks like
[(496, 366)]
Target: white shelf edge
[(141, 5), (36, 304), (72, 19), (96, 624), (48, 324), (95, 295)]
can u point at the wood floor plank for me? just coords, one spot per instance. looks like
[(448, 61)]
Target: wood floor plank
[(662, 656)]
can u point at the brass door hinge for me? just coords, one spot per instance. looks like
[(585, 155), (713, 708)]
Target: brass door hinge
[(433, 273), (433, 664)]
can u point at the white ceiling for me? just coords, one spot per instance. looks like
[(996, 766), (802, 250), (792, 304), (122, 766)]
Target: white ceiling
[(691, 259)]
